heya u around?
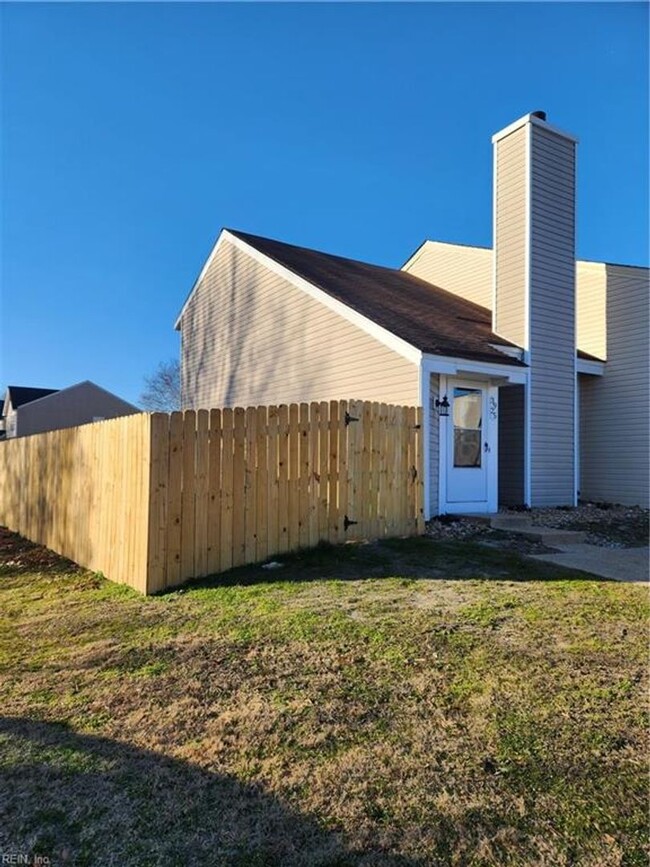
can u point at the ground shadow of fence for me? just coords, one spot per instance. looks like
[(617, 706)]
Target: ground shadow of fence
[(82, 799)]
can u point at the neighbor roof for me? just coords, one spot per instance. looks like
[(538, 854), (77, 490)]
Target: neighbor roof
[(20, 395), (431, 319)]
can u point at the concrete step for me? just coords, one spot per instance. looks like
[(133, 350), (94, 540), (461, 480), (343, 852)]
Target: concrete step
[(549, 536), (511, 523), (522, 524)]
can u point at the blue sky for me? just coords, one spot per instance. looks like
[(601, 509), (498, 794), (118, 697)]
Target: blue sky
[(131, 133)]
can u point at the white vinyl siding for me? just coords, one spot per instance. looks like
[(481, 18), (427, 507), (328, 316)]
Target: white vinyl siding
[(434, 445), (614, 423), (249, 336), (510, 227), (465, 271), (552, 318)]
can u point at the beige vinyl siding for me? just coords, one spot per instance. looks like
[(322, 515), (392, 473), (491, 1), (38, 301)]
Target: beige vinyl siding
[(614, 439), (434, 446), (70, 407), (552, 318), (249, 336), (512, 415), (11, 423), (510, 228), (465, 271), (591, 318)]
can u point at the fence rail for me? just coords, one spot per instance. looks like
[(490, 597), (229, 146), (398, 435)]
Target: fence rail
[(153, 500)]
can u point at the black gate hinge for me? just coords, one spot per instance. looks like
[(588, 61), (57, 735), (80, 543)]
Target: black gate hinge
[(348, 523), (349, 418)]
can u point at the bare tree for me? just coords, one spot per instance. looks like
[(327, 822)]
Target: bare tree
[(162, 390)]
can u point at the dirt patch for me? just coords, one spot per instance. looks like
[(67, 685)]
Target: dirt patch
[(18, 555)]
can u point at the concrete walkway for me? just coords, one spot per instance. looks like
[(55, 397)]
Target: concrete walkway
[(621, 564)]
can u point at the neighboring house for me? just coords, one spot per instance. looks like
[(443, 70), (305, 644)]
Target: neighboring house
[(35, 410), (542, 360)]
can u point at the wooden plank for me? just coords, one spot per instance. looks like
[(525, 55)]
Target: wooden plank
[(273, 481), (342, 481), (201, 495), (227, 467), (304, 472), (143, 475), (375, 458), (365, 512), (283, 478), (314, 457), (214, 493), (323, 468), (239, 483), (355, 469), (391, 469), (262, 531), (130, 511), (336, 509), (119, 502), (159, 463), (294, 471), (404, 472), (174, 495), (250, 487), (411, 498), (421, 481), (382, 482), (188, 495)]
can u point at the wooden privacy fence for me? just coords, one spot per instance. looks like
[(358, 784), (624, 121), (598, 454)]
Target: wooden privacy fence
[(153, 500), (83, 492)]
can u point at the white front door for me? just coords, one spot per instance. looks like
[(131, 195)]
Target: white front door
[(470, 461), (466, 444)]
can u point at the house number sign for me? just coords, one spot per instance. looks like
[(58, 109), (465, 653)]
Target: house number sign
[(493, 408)]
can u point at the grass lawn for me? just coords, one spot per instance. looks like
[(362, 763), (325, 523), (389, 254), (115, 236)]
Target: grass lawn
[(404, 703)]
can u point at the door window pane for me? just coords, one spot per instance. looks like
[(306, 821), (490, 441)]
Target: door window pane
[(467, 411)]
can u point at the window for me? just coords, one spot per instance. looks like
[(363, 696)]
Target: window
[(467, 411)]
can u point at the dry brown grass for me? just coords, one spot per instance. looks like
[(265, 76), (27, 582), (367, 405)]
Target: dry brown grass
[(361, 709)]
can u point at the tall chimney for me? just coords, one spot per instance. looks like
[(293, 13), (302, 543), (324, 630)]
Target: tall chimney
[(534, 292)]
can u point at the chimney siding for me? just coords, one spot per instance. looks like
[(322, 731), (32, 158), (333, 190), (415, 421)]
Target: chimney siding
[(535, 293), (510, 226)]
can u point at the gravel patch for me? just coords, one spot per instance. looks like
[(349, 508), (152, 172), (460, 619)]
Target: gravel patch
[(606, 525), (450, 528)]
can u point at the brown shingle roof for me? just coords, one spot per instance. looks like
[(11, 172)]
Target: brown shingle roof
[(428, 317)]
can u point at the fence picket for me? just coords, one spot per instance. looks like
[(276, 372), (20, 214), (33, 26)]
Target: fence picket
[(250, 486), (214, 492), (227, 476), (294, 466), (283, 479), (239, 486), (273, 507), (262, 530), (323, 453), (201, 496)]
